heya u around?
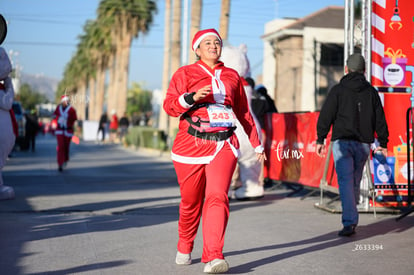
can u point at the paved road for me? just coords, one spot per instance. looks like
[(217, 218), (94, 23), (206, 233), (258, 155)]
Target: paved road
[(115, 210)]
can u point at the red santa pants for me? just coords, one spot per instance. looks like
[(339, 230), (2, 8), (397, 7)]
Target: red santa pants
[(204, 192), (63, 143)]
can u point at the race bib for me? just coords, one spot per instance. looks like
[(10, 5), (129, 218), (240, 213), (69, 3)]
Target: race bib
[(221, 116)]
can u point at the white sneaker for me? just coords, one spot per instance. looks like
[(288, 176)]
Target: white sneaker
[(251, 192), (183, 259), (216, 266)]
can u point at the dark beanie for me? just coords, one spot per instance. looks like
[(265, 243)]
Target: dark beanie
[(356, 63)]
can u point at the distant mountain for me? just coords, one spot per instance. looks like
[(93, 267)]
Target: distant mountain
[(41, 84)]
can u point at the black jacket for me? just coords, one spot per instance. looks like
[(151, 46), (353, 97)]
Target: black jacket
[(353, 108)]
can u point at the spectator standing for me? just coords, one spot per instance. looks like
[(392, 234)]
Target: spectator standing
[(123, 126), (262, 104), (353, 109), (32, 129), (113, 127), (135, 120), (103, 124)]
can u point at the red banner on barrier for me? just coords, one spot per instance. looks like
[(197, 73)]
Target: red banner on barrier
[(290, 149)]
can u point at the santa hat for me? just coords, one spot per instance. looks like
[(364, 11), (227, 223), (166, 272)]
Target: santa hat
[(64, 98), (200, 35)]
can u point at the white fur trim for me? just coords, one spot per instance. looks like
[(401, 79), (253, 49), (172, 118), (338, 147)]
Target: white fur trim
[(204, 159), (236, 152), (259, 149), (198, 41), (191, 160), (183, 103), (64, 98)]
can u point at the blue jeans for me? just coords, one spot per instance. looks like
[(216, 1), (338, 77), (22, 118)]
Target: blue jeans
[(350, 157)]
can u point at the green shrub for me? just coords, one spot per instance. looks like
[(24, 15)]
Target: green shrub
[(146, 137)]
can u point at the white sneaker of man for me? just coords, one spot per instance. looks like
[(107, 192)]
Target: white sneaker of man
[(216, 266), (183, 259)]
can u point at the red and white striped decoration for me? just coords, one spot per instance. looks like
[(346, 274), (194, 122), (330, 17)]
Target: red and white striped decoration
[(377, 43)]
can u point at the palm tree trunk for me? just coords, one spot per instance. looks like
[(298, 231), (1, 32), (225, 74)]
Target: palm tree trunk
[(100, 93), (81, 99), (111, 99), (175, 53), (76, 99), (117, 94), (123, 75), (196, 6), (91, 99), (163, 119), (224, 19)]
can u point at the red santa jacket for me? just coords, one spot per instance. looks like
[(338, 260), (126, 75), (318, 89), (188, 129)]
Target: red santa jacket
[(114, 122), (65, 118), (227, 89)]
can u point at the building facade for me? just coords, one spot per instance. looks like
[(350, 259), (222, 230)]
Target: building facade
[(303, 59)]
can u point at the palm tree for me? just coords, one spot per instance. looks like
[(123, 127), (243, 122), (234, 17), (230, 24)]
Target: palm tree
[(163, 119), (175, 52), (176, 36), (100, 48), (81, 71), (75, 78), (128, 18), (195, 23), (224, 19)]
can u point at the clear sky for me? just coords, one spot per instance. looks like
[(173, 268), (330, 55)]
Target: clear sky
[(43, 34)]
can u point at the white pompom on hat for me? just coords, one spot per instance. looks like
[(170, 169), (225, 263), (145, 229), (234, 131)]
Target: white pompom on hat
[(64, 98), (200, 35)]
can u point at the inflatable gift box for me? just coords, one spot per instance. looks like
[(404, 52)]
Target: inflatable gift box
[(394, 68)]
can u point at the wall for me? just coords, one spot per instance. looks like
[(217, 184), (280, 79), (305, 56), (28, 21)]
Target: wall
[(320, 35), (289, 57), (269, 61)]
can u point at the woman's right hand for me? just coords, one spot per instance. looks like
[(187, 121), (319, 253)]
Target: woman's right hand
[(202, 93)]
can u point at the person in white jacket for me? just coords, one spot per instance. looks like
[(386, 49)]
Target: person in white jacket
[(7, 136), (247, 178)]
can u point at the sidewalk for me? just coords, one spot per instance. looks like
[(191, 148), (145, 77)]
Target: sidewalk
[(115, 211)]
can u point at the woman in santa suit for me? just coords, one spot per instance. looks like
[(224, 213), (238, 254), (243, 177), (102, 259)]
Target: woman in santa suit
[(66, 116), (207, 96)]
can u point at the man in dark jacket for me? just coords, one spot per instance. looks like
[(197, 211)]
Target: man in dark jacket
[(103, 121), (123, 125), (354, 110), (32, 128), (262, 104)]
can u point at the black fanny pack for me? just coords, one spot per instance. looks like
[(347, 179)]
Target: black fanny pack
[(218, 136), (194, 125)]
